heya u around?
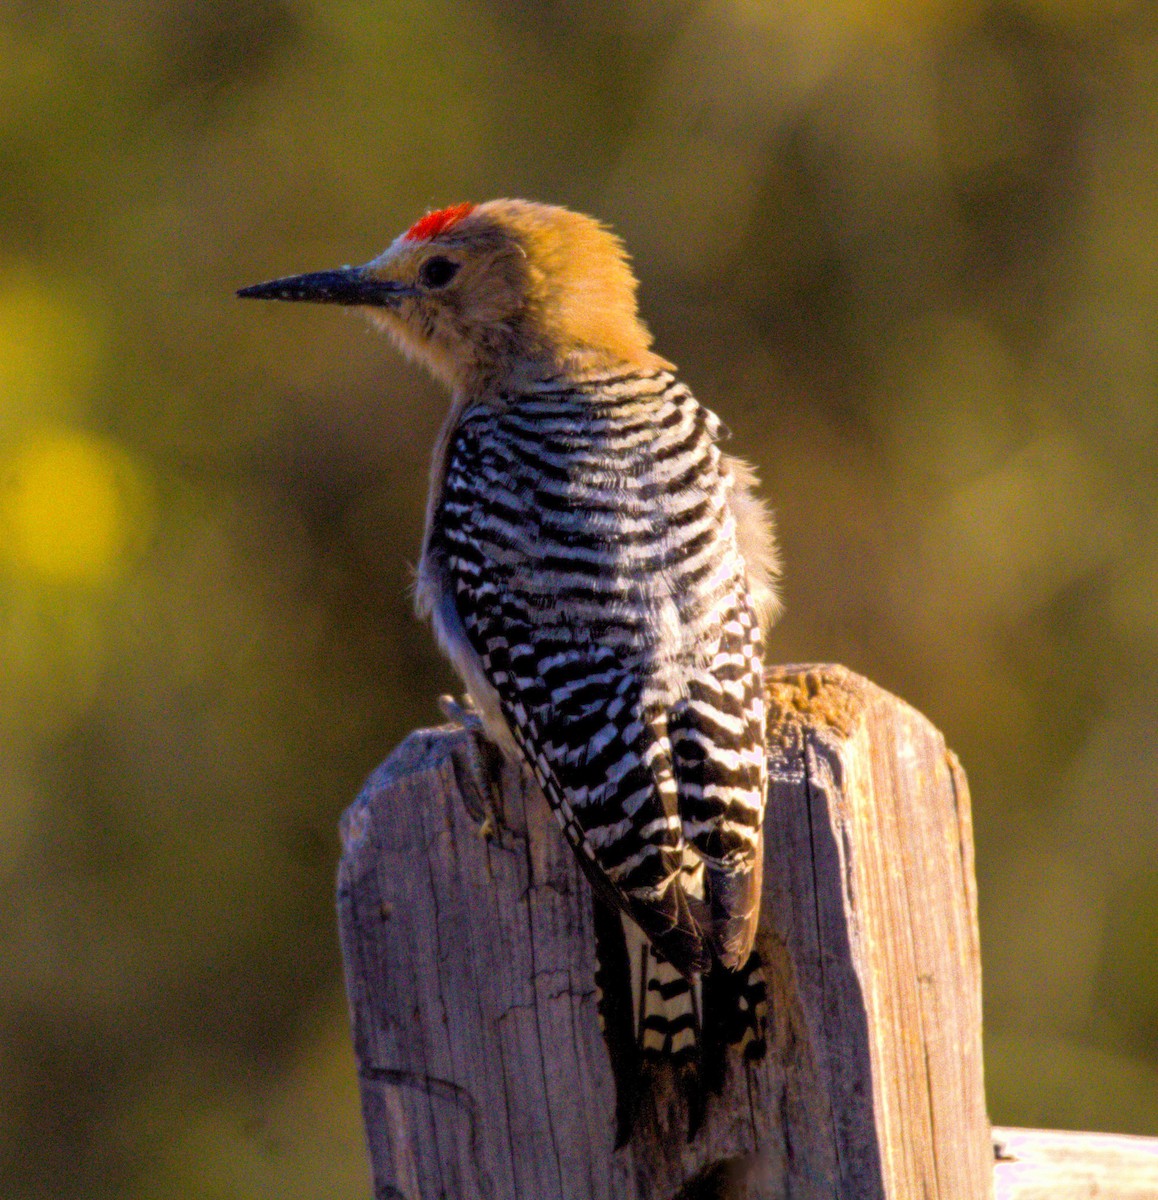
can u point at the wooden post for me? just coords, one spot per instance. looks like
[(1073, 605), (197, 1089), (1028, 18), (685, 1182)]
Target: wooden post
[(470, 970), (1046, 1164)]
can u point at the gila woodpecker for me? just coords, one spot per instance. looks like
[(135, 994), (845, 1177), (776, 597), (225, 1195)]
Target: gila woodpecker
[(598, 571)]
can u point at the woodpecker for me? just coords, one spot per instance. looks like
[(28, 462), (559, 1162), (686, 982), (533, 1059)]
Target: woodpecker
[(599, 572)]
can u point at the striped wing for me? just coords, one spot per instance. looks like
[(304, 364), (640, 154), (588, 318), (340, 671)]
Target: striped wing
[(586, 533), (720, 762)]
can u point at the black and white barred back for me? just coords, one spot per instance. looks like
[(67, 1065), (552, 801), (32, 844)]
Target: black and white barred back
[(586, 534)]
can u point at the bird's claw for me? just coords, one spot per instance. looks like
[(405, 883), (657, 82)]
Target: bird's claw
[(480, 784), (462, 713)]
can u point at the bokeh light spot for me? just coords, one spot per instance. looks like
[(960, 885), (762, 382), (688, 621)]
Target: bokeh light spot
[(70, 508)]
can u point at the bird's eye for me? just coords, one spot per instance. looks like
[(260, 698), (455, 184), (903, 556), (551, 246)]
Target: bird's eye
[(437, 272)]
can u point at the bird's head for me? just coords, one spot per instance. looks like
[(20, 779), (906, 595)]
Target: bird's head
[(489, 289)]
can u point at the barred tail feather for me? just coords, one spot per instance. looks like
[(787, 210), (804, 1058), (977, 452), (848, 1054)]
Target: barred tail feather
[(667, 1006), (736, 1018), (668, 1036), (650, 1014)]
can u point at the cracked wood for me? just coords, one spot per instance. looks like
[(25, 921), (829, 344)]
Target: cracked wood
[(470, 970)]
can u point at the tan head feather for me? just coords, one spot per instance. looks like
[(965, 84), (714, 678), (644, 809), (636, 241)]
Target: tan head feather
[(581, 290), (535, 286)]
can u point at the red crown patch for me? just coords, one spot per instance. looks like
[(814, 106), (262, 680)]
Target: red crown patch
[(438, 222)]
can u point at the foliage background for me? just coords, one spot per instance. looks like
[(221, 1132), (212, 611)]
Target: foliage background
[(906, 247)]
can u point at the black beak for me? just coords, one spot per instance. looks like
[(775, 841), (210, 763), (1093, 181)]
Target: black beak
[(350, 285)]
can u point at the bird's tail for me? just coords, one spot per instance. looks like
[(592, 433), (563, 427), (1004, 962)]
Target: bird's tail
[(667, 1007), (668, 1034)]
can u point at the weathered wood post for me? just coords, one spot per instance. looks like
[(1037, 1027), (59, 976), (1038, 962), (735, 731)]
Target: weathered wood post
[(470, 968)]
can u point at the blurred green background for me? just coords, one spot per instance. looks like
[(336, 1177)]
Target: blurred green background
[(907, 248)]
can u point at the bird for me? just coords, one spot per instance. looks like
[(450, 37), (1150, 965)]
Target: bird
[(600, 573)]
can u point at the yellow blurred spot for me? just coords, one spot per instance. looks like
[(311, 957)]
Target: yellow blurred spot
[(70, 508)]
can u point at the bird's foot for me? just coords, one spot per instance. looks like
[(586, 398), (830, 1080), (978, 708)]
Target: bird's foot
[(480, 776), (461, 712)]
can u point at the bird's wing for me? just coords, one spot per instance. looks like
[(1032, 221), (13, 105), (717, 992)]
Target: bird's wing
[(719, 760), (554, 632)]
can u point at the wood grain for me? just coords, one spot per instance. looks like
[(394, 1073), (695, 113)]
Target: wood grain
[(470, 973)]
